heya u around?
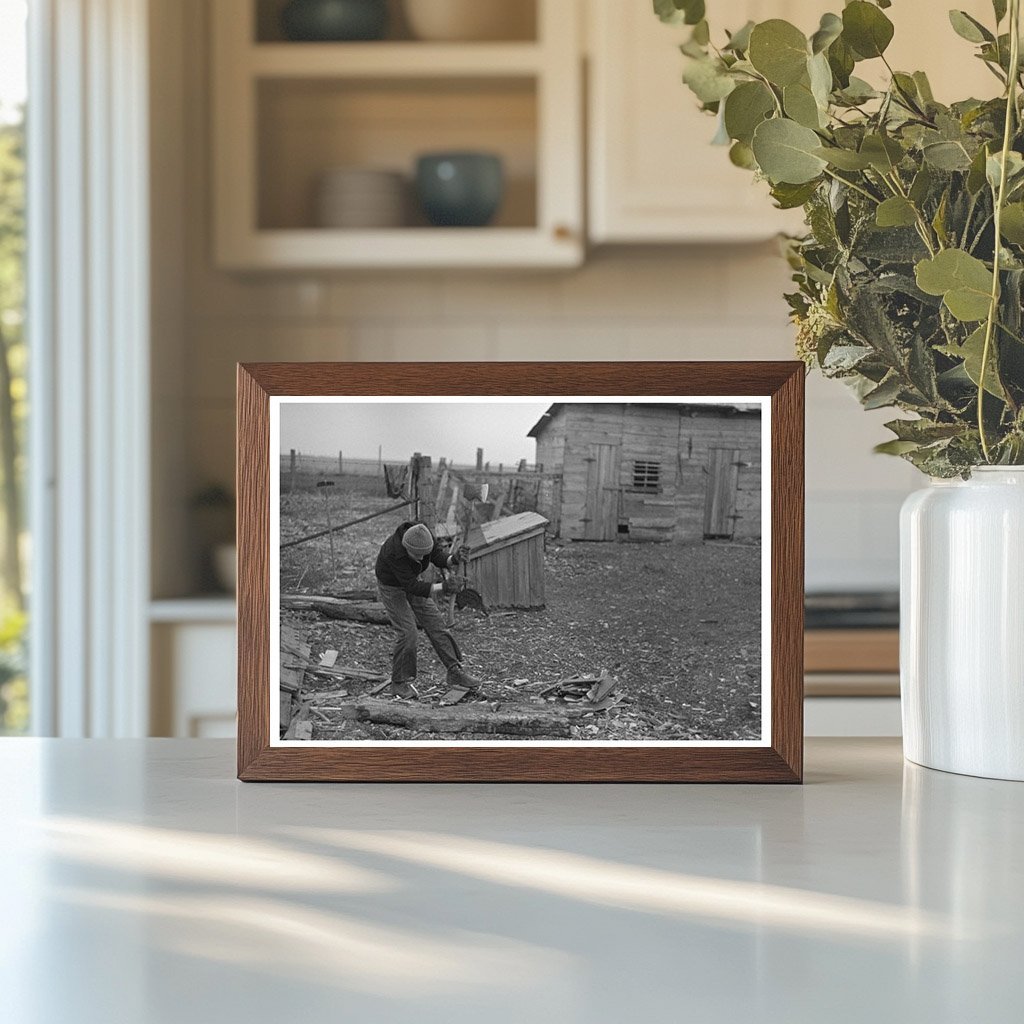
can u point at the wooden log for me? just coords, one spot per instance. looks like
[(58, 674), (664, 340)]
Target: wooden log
[(511, 720), (354, 595), (333, 608)]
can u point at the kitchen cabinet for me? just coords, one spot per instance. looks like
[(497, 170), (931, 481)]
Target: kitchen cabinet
[(653, 175), (192, 649), (285, 114)]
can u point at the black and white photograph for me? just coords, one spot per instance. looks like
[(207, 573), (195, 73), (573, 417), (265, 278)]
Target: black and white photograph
[(519, 570)]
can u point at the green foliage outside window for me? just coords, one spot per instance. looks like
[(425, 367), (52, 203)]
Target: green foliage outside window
[(13, 411)]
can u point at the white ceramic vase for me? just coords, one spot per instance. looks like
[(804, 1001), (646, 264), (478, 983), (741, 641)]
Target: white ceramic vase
[(962, 624)]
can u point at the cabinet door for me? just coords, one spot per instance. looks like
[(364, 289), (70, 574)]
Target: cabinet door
[(654, 177)]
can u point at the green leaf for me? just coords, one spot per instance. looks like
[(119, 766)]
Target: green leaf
[(739, 41), (976, 174), (746, 107), (895, 447), (923, 431), (969, 28), (789, 197), (820, 76), (866, 29), (883, 153), (800, 105), (785, 152), (841, 60), (741, 155), (921, 185), (971, 352), (896, 212), (1014, 169), (924, 87), (858, 91), (885, 394), (778, 50), (830, 29), (947, 156), (708, 80), (999, 7), (1012, 225), (963, 281), (676, 12), (939, 220), (844, 159)]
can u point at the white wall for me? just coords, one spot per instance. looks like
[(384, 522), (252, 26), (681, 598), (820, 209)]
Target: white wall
[(667, 303)]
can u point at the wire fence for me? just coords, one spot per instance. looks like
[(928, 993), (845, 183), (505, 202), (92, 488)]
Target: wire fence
[(340, 464)]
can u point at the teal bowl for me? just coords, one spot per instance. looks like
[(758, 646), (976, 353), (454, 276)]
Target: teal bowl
[(460, 190), (334, 21)]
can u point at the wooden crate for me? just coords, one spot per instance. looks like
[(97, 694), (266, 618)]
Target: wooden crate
[(506, 561)]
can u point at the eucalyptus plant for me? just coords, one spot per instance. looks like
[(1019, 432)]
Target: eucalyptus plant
[(910, 278)]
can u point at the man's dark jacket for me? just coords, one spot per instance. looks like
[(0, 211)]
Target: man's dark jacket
[(397, 568)]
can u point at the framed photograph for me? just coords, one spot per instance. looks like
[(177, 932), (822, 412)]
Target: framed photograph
[(520, 572)]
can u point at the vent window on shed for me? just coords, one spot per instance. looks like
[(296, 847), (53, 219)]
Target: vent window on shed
[(646, 476)]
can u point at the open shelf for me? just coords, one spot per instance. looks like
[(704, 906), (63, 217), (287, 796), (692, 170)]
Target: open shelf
[(306, 128), (286, 114)]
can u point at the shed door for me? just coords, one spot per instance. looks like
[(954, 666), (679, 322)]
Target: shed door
[(601, 521), (720, 500)]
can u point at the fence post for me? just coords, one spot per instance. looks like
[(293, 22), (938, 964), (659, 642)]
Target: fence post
[(479, 460), (341, 465), (291, 464)]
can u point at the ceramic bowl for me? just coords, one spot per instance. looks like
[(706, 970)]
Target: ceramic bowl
[(359, 197), (334, 20), (460, 189)]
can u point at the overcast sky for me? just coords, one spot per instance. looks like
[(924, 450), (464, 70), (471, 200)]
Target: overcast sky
[(452, 430)]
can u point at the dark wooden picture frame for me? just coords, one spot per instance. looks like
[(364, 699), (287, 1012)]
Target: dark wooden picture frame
[(780, 761)]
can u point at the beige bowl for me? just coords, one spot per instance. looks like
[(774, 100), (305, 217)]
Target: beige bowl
[(471, 20), (357, 197)]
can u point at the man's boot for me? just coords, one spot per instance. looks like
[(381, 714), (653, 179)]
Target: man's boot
[(403, 689), (458, 676)]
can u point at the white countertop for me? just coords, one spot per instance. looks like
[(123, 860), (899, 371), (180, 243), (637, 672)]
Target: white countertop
[(143, 885)]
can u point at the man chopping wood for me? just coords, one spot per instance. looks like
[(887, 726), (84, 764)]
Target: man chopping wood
[(409, 602)]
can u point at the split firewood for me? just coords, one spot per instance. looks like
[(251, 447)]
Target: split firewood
[(604, 686), (324, 695), (286, 709), (301, 725)]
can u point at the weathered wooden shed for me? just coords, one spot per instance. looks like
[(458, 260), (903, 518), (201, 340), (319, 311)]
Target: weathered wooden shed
[(651, 471), (506, 561)]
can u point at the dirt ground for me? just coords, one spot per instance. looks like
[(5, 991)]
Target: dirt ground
[(678, 626)]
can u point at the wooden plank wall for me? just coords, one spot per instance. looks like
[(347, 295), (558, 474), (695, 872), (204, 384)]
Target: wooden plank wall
[(511, 575), (551, 456), (681, 444)]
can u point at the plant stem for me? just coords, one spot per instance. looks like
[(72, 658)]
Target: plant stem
[(1000, 198), (922, 225), (855, 187)]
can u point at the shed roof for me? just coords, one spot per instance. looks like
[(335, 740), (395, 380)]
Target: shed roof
[(725, 410), (506, 528)]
